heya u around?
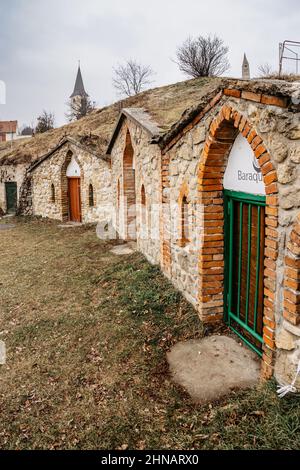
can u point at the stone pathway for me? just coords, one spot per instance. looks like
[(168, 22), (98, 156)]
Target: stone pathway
[(70, 225), (212, 367), (122, 250), (6, 226)]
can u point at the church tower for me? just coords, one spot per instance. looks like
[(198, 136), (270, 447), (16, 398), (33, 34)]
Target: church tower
[(79, 91), (245, 69)]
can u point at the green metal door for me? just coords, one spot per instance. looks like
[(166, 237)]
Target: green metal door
[(11, 197), (244, 266)]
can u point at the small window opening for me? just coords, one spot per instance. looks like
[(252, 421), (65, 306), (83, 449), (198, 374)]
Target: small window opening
[(91, 195), (184, 221), (143, 211), (118, 194), (52, 193)]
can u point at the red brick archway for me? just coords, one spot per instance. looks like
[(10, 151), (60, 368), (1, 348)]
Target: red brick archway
[(291, 307), (222, 134), (129, 190)]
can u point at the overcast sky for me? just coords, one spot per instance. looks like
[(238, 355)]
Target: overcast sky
[(42, 40)]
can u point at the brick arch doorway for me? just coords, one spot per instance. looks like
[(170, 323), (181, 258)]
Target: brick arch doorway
[(71, 174), (129, 190), (213, 276)]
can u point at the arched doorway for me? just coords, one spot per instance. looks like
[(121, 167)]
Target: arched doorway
[(244, 240), (74, 199), (129, 190), (215, 265), (71, 175)]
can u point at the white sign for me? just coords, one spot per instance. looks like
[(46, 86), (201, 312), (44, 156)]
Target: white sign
[(73, 168), (243, 172)]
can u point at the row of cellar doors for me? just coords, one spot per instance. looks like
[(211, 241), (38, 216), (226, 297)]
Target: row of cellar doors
[(74, 199), (244, 216)]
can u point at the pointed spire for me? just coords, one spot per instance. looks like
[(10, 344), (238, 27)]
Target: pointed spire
[(245, 69), (79, 87)]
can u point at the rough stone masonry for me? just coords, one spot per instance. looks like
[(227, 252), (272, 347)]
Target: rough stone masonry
[(161, 172)]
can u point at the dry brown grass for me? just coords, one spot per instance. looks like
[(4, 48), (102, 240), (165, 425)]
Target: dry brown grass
[(165, 105), (287, 77), (86, 335)]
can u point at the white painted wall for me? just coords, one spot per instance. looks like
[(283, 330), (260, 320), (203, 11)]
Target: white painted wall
[(243, 172), (73, 168), (11, 136), (10, 173), (19, 137)]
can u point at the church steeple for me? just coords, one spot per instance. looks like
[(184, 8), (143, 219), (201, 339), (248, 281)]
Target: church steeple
[(245, 69), (79, 90)]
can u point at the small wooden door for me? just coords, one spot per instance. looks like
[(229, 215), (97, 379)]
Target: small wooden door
[(74, 199), (11, 197)]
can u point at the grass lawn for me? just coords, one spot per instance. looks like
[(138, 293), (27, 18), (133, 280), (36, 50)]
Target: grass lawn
[(86, 335)]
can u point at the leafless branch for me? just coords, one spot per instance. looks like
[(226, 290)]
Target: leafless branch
[(203, 57), (45, 122), (131, 78), (265, 70), (79, 108)]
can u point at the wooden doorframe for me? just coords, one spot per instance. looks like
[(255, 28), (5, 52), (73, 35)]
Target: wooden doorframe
[(7, 184), (79, 196), (65, 216)]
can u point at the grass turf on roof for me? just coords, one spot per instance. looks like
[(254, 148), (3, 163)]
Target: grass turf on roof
[(165, 105)]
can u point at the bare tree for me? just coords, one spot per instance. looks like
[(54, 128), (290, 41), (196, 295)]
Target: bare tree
[(79, 108), (265, 70), (27, 130), (132, 78), (203, 57), (45, 122)]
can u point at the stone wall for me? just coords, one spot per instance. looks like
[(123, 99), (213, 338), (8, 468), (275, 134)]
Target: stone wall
[(94, 170), (183, 170), (25, 197), (179, 215), (11, 173), (191, 176), (273, 131), (288, 331), (147, 173)]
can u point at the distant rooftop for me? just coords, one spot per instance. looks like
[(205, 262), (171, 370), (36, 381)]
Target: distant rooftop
[(8, 127)]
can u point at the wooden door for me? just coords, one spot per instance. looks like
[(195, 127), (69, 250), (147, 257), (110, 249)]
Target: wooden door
[(74, 199), (11, 197)]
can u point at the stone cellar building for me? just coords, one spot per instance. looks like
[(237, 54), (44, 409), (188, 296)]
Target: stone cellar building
[(204, 175), (70, 183)]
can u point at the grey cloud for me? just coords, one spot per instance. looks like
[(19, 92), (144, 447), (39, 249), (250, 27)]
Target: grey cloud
[(41, 41)]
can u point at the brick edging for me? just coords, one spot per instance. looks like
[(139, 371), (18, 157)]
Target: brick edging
[(222, 134), (257, 97), (261, 98), (291, 293)]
